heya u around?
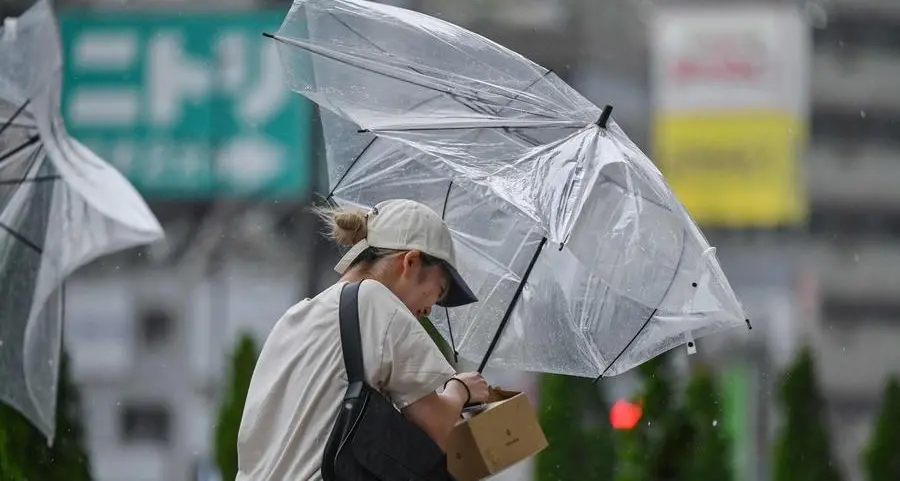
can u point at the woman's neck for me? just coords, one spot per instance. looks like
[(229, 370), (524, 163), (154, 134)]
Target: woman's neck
[(359, 275)]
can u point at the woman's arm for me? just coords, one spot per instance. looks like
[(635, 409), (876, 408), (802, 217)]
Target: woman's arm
[(438, 413)]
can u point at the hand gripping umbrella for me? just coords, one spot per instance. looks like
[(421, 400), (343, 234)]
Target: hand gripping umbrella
[(61, 206), (584, 261)]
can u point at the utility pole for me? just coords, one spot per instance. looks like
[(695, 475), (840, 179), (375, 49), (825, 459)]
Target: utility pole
[(320, 253)]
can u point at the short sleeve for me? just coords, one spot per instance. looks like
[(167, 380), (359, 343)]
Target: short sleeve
[(417, 367), (411, 364)]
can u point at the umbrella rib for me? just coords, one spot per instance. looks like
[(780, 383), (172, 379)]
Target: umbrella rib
[(32, 180), (456, 98), (20, 125), (512, 305), (479, 109), (21, 238), (637, 196), (446, 200), (625, 349), (655, 310), (31, 141), (516, 134), (446, 310), (435, 84), (336, 185), (561, 125), (15, 114), (452, 342), (484, 110), (345, 62), (372, 43), (522, 135), (31, 162)]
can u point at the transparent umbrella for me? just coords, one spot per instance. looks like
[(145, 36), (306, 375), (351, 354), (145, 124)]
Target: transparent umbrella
[(61, 206), (584, 261)]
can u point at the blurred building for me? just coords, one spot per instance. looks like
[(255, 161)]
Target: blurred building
[(853, 175), (192, 108), (151, 343)]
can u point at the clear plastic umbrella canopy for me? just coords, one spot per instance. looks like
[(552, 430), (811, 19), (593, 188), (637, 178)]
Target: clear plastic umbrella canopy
[(61, 206), (584, 261)]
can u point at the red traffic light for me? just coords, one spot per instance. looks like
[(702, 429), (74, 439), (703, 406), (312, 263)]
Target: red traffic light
[(625, 415)]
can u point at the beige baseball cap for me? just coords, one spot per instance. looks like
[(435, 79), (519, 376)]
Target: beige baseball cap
[(402, 224)]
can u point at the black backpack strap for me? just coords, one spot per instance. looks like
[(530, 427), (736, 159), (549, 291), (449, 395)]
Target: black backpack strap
[(351, 341)]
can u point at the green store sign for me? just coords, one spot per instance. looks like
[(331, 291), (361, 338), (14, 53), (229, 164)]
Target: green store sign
[(187, 105)]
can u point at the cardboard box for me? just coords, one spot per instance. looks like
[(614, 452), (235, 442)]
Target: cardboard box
[(494, 436)]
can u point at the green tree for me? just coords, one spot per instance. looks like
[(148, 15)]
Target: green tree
[(232, 409), (26, 454), (657, 448), (880, 459), (9, 468), (803, 449), (632, 458), (67, 459), (574, 418), (709, 455)]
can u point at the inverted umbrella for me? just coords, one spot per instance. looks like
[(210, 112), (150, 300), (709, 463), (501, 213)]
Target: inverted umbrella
[(584, 261), (61, 206)]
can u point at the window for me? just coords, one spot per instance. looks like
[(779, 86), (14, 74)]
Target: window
[(155, 326), (837, 311), (145, 423), (864, 31), (830, 125), (843, 224)]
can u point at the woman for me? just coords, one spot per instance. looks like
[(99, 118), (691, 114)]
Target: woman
[(403, 254)]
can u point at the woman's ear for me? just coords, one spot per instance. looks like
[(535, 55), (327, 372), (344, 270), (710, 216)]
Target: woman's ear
[(410, 260)]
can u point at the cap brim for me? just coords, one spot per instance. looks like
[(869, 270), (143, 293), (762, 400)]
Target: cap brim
[(350, 256), (459, 294)]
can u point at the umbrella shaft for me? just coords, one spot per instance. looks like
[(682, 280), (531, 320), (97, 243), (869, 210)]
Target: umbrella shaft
[(512, 305)]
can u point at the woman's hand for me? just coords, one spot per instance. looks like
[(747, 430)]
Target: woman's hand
[(476, 385), (437, 414)]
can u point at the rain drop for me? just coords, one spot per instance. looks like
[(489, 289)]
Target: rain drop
[(856, 258), (715, 422), (862, 114)]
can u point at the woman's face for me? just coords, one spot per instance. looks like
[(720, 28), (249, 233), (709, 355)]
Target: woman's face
[(420, 287)]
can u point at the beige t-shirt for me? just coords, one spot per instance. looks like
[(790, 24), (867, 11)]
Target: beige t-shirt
[(300, 379)]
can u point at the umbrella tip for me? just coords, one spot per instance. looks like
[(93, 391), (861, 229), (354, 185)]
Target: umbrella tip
[(749, 326), (268, 35), (604, 117)]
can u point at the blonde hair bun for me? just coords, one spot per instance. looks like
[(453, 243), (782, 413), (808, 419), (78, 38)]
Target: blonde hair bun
[(348, 227), (344, 227)]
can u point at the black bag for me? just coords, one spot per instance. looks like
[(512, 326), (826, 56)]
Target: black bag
[(371, 439)]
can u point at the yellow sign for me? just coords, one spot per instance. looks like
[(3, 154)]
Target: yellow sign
[(734, 169)]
